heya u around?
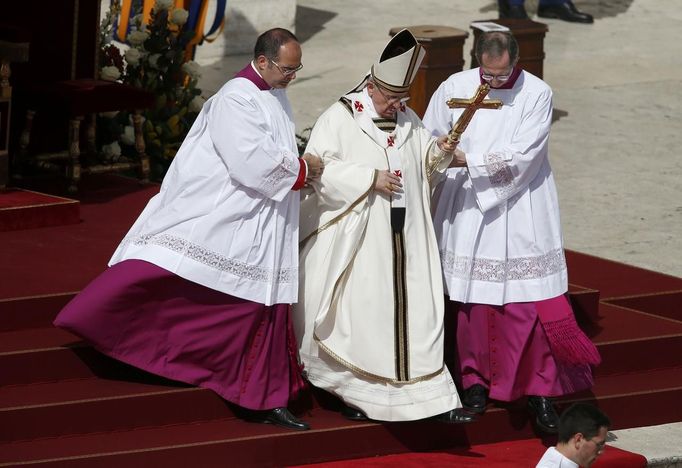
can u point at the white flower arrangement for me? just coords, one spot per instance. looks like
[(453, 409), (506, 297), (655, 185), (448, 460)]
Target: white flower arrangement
[(192, 68), (109, 73), (137, 38), (196, 104), (179, 16), (111, 151), (164, 5), (133, 56)]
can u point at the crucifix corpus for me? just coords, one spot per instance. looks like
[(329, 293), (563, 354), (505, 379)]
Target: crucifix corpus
[(470, 106)]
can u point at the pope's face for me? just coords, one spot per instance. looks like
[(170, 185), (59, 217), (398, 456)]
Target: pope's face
[(385, 102), (282, 71)]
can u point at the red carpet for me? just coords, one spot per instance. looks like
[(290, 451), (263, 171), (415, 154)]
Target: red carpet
[(24, 209), (521, 454), (63, 404)]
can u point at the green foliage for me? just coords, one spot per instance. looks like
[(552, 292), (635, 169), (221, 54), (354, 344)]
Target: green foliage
[(157, 61)]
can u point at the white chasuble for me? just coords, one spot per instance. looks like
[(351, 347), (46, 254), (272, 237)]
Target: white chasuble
[(357, 341), (226, 216), (497, 220)]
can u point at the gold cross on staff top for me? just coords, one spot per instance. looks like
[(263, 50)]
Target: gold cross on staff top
[(470, 106)]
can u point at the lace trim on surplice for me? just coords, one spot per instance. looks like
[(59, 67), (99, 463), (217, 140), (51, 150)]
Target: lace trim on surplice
[(499, 271), (215, 260), (499, 174), (284, 170)]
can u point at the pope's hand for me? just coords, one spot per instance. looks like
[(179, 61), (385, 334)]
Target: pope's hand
[(445, 145), (387, 183), (315, 167)]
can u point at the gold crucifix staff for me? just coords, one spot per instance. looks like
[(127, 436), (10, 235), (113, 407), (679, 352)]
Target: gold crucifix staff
[(470, 106)]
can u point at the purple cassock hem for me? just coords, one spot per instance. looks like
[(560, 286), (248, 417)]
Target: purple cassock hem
[(145, 316), (505, 349), (250, 74)]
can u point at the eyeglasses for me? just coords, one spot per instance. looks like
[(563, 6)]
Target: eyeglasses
[(489, 78), (391, 100), (286, 71), (600, 445)]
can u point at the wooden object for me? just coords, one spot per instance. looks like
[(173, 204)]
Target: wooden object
[(530, 35), (60, 94), (444, 56), (9, 52)]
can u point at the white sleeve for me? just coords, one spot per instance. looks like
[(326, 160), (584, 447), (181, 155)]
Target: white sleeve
[(243, 139), (503, 172), (437, 118)]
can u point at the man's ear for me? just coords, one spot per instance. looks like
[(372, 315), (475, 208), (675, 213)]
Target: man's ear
[(578, 439), (261, 62)]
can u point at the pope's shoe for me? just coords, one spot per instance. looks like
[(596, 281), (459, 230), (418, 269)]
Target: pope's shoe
[(565, 11), (353, 414), (475, 398), (455, 416), (546, 418), (279, 417)]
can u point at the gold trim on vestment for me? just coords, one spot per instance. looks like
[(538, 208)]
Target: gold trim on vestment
[(388, 86), (431, 164), (369, 375), (413, 62), (339, 217), (402, 364)]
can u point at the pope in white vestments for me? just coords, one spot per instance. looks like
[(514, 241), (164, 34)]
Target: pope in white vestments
[(499, 234), (370, 315), (200, 288)]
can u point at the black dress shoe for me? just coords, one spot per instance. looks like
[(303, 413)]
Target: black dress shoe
[(353, 414), (565, 11), (278, 416), (455, 416), (517, 12), (511, 11), (503, 8), (546, 418), (475, 398)]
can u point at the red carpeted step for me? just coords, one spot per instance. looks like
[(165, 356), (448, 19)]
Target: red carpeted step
[(521, 453), (631, 341), (46, 354), (31, 312), (227, 442), (243, 444), (25, 209), (585, 303), (665, 304), (615, 279), (92, 405)]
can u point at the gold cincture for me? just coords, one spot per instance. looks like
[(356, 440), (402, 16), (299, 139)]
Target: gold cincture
[(470, 106)]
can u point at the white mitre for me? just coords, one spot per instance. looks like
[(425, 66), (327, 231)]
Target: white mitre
[(397, 65)]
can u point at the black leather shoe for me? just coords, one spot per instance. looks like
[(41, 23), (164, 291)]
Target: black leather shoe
[(511, 11), (455, 416), (546, 418), (503, 8), (566, 11), (517, 12), (353, 414), (278, 416), (475, 398)]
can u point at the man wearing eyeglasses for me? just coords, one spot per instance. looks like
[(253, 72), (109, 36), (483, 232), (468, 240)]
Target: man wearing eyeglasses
[(370, 318), (582, 436), (499, 233), (200, 288)]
